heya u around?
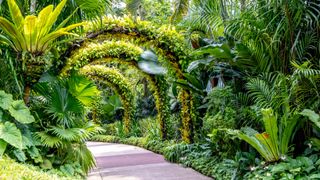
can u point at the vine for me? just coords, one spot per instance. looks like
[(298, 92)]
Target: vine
[(164, 39), (114, 79), (122, 53)]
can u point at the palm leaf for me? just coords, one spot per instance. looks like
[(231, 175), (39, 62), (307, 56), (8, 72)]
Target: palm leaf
[(48, 140)]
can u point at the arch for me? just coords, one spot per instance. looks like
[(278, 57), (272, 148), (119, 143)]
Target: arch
[(166, 41), (114, 79), (123, 53)]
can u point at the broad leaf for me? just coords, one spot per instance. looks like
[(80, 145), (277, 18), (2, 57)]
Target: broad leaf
[(21, 112), (35, 155), (11, 134), (152, 67), (20, 155), (314, 117), (5, 100)]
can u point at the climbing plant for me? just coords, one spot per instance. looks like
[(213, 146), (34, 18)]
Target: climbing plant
[(122, 53), (114, 79), (166, 41)]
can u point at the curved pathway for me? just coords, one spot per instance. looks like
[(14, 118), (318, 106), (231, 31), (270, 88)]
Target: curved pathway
[(125, 162)]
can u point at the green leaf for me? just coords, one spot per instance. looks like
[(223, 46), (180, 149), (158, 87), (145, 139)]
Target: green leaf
[(314, 117), (3, 146), (20, 155), (11, 134), (281, 167), (67, 169), (46, 164), (315, 176), (5, 100), (83, 89), (21, 112), (34, 154)]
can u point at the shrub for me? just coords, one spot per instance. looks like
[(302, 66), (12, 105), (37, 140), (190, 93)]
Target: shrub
[(9, 169)]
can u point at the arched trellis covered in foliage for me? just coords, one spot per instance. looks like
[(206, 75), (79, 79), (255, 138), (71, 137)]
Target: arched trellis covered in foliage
[(122, 53), (114, 79), (166, 41)]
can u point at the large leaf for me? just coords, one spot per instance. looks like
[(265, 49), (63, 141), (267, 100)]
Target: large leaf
[(20, 155), (271, 126), (5, 100), (152, 67), (11, 134), (21, 112), (314, 117)]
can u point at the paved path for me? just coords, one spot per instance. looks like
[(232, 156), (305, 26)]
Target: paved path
[(124, 162)]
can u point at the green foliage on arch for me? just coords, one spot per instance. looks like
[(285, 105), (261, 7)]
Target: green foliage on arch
[(166, 41), (165, 38), (93, 51), (122, 53), (113, 78)]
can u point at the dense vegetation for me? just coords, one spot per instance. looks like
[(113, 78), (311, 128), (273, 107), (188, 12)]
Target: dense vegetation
[(229, 88)]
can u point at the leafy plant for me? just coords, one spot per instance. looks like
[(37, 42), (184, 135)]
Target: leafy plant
[(32, 33), (12, 113), (299, 168), (274, 143), (62, 115)]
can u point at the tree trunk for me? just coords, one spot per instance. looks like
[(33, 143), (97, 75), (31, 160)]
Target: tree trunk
[(33, 6), (26, 94)]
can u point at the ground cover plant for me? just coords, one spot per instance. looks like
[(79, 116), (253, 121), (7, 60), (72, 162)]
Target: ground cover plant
[(229, 88)]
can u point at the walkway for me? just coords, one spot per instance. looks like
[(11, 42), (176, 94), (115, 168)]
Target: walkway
[(124, 162)]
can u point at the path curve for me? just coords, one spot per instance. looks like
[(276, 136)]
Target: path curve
[(125, 162)]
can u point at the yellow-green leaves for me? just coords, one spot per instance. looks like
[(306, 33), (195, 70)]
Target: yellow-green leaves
[(33, 34), (16, 14), (118, 83)]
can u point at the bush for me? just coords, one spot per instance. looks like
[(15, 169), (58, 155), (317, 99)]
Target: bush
[(9, 169)]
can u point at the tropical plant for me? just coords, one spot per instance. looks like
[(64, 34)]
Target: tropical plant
[(315, 119), (12, 113), (61, 109), (31, 33), (274, 143), (31, 37)]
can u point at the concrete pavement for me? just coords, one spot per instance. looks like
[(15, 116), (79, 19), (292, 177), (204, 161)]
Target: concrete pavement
[(125, 162)]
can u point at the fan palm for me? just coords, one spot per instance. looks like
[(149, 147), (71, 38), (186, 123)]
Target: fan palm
[(62, 112)]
